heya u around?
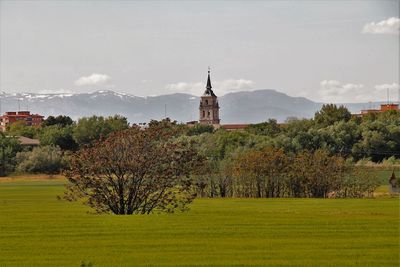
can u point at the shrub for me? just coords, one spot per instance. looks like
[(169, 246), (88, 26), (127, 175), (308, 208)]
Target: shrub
[(199, 129), (47, 159), (358, 183)]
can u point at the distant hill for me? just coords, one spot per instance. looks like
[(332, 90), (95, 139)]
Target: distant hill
[(239, 107)]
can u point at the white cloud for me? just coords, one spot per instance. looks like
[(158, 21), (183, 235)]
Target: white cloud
[(219, 87), (334, 91), (334, 87), (389, 26), (94, 79), (391, 87)]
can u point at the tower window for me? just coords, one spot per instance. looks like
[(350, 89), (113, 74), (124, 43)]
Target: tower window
[(204, 113), (206, 102), (208, 114)]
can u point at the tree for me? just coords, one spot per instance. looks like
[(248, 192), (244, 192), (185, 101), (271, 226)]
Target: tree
[(19, 128), (93, 128), (315, 174), (9, 147), (261, 173), (134, 171), (269, 128), (199, 129), (343, 136), (330, 113), (60, 120), (357, 183), (56, 135), (380, 137)]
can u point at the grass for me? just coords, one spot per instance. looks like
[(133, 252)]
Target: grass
[(36, 229)]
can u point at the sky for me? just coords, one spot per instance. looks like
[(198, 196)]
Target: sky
[(327, 51)]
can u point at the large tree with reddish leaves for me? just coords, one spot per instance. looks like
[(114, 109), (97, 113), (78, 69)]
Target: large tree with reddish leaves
[(135, 171)]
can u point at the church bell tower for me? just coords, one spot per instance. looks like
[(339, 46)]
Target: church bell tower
[(209, 108)]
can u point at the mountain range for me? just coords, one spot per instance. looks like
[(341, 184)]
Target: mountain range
[(238, 107)]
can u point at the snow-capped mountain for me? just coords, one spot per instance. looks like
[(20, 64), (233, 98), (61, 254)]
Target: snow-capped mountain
[(239, 107)]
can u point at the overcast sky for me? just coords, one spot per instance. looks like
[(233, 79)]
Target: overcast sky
[(330, 51)]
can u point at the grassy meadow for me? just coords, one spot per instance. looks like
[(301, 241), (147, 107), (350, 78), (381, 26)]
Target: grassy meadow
[(36, 229)]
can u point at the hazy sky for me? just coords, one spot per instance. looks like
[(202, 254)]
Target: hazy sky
[(332, 51)]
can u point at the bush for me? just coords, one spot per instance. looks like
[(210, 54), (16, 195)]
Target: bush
[(47, 159), (199, 129), (9, 146), (358, 183)]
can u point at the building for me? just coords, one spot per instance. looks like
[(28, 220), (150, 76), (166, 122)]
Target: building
[(234, 127), (383, 108), (25, 141), (209, 107), (25, 116), (209, 111)]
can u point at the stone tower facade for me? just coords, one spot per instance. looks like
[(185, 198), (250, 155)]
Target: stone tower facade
[(209, 108)]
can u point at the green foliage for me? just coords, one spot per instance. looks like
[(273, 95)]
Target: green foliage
[(47, 159), (198, 129), (294, 126), (9, 147), (60, 120), (348, 139), (57, 135), (93, 128), (269, 172), (358, 183), (330, 113), (392, 161), (380, 138), (376, 136), (269, 128), (20, 129)]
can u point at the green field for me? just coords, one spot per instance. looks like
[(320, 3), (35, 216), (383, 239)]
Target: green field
[(36, 229)]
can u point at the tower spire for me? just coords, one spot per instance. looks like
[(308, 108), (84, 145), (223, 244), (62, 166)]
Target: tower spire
[(209, 80), (208, 90)]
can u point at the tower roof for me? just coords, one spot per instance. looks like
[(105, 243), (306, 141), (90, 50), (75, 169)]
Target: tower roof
[(209, 90), (209, 81)]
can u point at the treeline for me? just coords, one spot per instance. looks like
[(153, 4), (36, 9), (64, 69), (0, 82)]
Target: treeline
[(59, 137), (271, 173), (299, 158), (375, 136)]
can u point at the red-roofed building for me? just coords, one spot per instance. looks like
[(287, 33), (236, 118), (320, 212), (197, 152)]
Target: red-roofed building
[(234, 127), (384, 107), (29, 119)]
